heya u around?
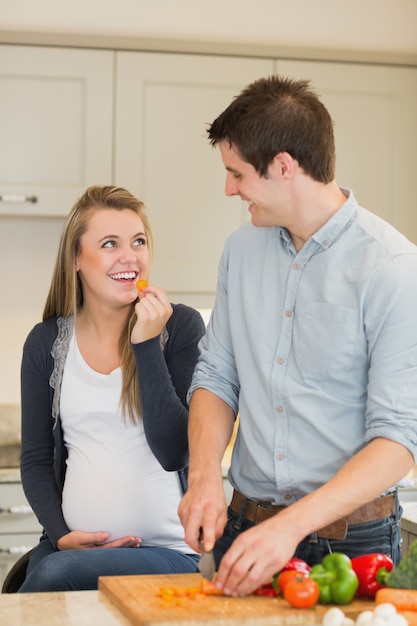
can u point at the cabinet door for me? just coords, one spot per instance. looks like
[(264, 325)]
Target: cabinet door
[(55, 127), (164, 105), (374, 111)]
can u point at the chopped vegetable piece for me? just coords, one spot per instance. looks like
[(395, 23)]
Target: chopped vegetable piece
[(141, 284), (180, 596)]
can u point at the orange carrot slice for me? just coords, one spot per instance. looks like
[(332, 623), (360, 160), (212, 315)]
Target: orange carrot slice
[(178, 596), (141, 284)]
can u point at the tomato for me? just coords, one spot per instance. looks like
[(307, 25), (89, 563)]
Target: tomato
[(287, 576), (301, 592), (141, 284), (293, 565)]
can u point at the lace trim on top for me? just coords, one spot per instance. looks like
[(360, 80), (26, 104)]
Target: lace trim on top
[(163, 338), (59, 354)]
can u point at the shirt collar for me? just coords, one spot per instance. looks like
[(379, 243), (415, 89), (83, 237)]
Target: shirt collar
[(333, 228)]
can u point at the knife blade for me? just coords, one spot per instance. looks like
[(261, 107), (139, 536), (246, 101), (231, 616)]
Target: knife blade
[(206, 565)]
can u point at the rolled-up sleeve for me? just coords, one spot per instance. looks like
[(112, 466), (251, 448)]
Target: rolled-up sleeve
[(392, 338), (216, 366)]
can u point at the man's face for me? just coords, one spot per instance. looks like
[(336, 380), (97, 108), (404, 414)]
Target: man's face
[(264, 194)]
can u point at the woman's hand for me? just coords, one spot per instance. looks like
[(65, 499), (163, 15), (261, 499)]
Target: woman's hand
[(153, 311), (79, 540)]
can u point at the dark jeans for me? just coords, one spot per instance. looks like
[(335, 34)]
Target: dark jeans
[(72, 570), (383, 536)]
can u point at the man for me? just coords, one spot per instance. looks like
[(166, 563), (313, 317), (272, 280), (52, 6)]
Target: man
[(313, 341)]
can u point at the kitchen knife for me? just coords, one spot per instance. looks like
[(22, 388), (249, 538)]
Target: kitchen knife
[(206, 565)]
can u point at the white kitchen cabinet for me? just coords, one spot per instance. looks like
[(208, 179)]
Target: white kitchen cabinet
[(55, 126), (374, 111), (164, 103), (19, 529)]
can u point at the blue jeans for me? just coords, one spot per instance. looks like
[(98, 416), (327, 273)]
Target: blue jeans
[(73, 570), (383, 536)]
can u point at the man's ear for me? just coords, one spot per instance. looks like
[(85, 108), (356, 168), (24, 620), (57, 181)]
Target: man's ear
[(284, 164)]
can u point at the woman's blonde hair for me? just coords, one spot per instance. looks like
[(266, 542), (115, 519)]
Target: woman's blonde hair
[(65, 295)]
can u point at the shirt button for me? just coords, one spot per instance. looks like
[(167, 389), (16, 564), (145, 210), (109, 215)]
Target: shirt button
[(280, 457), (279, 409), (325, 242), (288, 496), (280, 360), (296, 266), (288, 313)]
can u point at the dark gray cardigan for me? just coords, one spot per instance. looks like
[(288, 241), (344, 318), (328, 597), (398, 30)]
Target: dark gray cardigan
[(164, 364)]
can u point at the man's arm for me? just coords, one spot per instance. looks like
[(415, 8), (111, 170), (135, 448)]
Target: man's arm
[(258, 553), (204, 505)]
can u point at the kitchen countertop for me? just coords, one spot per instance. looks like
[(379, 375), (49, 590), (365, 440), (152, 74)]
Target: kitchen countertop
[(409, 517), (77, 608), (88, 608), (10, 475)]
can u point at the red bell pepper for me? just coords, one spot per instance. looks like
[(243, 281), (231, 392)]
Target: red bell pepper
[(296, 564), (266, 590), (366, 568)]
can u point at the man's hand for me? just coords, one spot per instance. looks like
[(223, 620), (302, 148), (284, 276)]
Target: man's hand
[(204, 506), (79, 540), (255, 556)]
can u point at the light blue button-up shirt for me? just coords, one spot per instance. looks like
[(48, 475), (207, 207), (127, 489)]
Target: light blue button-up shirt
[(316, 350)]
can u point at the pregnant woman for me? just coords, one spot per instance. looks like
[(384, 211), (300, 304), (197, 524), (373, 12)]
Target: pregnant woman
[(104, 411)]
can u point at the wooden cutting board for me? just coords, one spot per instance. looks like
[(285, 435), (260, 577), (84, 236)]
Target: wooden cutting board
[(136, 597)]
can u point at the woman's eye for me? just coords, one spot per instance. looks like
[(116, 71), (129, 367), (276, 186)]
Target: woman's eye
[(140, 241), (109, 244)]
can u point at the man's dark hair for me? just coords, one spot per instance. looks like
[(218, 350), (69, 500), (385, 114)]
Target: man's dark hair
[(279, 114)]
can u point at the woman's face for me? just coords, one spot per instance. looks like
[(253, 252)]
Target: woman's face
[(113, 255)]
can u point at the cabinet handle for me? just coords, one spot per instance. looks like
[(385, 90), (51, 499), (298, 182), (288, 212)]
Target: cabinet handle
[(18, 199), (16, 550), (18, 509)]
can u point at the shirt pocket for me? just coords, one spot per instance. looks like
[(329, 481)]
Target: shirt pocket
[(326, 339)]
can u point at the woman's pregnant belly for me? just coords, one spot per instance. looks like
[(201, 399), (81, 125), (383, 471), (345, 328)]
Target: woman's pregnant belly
[(123, 495)]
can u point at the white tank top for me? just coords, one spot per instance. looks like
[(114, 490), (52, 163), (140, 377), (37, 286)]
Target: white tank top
[(113, 482)]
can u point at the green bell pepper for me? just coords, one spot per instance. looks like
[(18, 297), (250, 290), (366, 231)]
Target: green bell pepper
[(336, 579)]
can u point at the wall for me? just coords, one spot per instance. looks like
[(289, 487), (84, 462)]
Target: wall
[(370, 27), (29, 246), (331, 29)]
